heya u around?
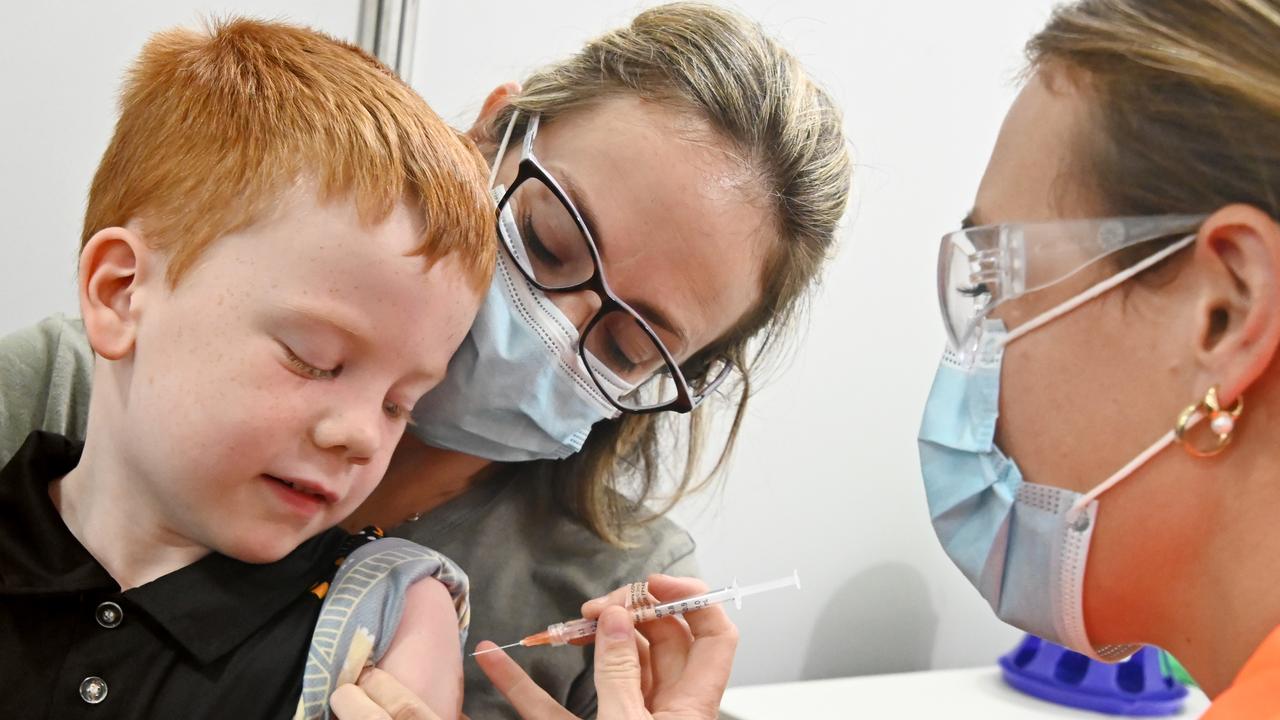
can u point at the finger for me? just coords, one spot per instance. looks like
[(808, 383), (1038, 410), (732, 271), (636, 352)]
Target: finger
[(618, 672), (399, 702), (529, 700), (669, 642), (646, 672), (668, 588), (591, 608), (349, 702), (710, 657)]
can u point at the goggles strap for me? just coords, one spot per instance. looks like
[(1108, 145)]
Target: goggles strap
[(1095, 291)]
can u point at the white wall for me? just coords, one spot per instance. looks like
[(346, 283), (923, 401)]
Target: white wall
[(61, 62), (826, 479)]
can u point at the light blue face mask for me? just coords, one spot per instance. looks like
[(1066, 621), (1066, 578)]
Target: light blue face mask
[(1023, 546), (516, 390)]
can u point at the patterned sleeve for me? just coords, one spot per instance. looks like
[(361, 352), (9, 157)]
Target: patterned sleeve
[(362, 610)]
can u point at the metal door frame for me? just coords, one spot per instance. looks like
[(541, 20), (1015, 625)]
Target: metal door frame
[(388, 30)]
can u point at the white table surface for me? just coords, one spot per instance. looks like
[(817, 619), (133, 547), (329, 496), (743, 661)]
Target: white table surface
[(978, 693)]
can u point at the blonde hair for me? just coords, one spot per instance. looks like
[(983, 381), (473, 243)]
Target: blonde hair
[(215, 125), (720, 67), (1186, 117)]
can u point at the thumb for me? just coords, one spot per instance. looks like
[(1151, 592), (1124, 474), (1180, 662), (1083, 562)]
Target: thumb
[(618, 667)]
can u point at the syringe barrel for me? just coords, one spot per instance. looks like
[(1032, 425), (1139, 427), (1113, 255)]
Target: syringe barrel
[(562, 633), (679, 607)]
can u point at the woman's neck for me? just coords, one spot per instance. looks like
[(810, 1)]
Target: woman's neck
[(419, 479), (100, 505), (1233, 600)]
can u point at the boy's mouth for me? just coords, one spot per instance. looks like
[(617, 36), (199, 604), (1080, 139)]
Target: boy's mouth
[(306, 490)]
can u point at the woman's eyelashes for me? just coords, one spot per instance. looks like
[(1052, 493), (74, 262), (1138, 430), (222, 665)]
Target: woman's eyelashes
[(620, 362), (306, 369), (537, 247)]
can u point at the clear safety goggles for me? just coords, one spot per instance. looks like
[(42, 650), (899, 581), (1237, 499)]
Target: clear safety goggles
[(982, 268)]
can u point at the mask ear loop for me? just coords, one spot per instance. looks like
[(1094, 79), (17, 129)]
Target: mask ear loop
[(1075, 515), (1077, 509), (502, 148), (1222, 422)]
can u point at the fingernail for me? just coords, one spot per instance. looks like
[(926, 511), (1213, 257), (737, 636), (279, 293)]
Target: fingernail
[(615, 623)]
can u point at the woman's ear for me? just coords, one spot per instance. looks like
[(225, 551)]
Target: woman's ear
[(112, 269), (1238, 308), (497, 100)]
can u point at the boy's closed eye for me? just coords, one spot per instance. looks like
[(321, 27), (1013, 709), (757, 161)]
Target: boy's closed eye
[(395, 410), (309, 370)]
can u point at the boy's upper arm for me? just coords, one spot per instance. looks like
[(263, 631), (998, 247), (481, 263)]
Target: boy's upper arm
[(412, 603), (425, 654), (45, 377)]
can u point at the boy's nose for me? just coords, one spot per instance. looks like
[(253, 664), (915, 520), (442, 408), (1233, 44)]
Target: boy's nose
[(354, 434)]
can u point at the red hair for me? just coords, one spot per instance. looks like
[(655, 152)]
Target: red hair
[(215, 125)]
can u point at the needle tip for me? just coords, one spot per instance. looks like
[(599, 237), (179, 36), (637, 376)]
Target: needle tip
[(494, 649)]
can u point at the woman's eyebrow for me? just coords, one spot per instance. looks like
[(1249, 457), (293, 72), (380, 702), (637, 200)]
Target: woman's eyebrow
[(576, 196), (658, 317), (650, 312)]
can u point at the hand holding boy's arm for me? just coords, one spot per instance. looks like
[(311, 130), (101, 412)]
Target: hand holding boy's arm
[(420, 676), (378, 696)]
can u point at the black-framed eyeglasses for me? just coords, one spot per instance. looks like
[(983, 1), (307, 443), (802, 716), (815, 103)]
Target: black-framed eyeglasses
[(630, 359)]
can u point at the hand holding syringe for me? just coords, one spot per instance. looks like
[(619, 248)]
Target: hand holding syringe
[(582, 628)]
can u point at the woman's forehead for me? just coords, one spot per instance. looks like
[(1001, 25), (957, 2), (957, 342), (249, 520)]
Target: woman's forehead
[(1032, 172), (681, 221)]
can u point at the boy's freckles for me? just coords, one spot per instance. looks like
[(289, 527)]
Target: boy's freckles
[(222, 409)]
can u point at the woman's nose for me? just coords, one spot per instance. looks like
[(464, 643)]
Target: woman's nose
[(580, 307)]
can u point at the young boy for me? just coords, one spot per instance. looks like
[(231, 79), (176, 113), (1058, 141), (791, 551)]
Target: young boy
[(283, 246)]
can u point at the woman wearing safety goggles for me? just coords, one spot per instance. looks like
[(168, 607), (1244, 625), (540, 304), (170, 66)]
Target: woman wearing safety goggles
[(1113, 312)]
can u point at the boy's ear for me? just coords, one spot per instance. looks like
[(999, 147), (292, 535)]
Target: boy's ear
[(112, 268), (498, 99)]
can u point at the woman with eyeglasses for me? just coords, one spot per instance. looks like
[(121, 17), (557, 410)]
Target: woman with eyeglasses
[(664, 199), (1098, 449)]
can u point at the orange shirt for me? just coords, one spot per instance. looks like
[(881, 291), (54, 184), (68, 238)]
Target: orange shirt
[(1255, 693)]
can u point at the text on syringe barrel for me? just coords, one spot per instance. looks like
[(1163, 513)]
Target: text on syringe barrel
[(562, 633), (679, 607)]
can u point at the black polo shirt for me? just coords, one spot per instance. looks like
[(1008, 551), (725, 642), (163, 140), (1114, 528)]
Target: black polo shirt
[(216, 639)]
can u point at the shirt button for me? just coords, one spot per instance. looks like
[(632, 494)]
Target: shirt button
[(93, 690), (109, 615)]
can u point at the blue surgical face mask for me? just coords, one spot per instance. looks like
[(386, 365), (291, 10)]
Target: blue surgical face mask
[(516, 389), (1023, 546)]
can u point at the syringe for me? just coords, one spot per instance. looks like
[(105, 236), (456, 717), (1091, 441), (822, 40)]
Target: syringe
[(564, 632)]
